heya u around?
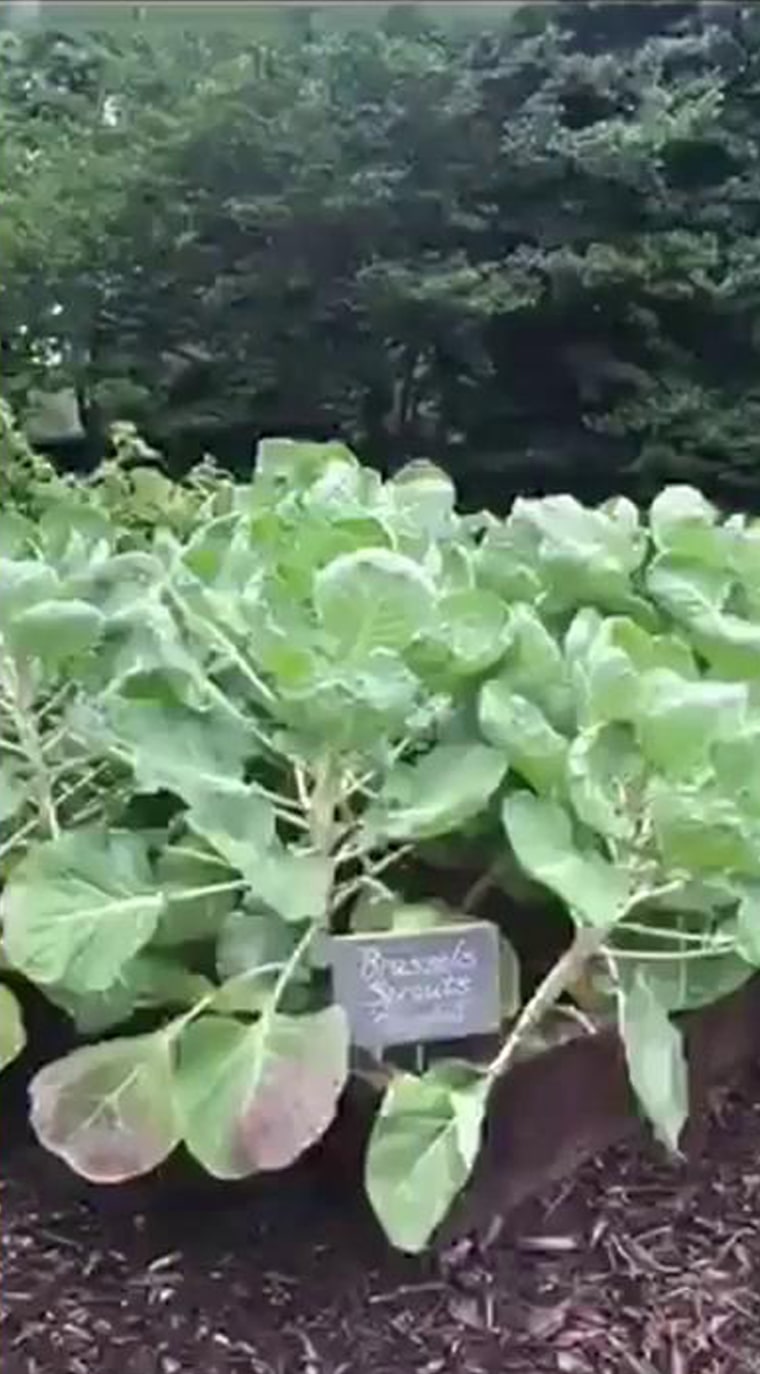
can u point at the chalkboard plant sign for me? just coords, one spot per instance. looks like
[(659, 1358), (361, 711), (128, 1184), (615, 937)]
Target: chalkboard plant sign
[(221, 743)]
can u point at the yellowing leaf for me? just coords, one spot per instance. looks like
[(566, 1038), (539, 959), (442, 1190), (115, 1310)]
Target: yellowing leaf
[(108, 1109), (255, 1096)]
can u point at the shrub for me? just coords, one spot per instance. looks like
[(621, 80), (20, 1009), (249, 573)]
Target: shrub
[(220, 744)]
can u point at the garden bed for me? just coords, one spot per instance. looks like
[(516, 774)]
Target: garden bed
[(635, 1265)]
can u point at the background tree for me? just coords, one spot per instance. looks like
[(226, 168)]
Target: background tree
[(524, 244)]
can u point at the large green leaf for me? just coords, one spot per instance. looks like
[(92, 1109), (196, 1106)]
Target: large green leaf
[(656, 1061), (677, 721), (425, 494), (12, 1033), (541, 834), (729, 644), (534, 666), (255, 1097), (474, 627), (686, 983), (683, 521), (446, 788), (55, 630), (701, 830), (108, 1109), (250, 940), (76, 909), (609, 660), (240, 824), (605, 775), (24, 583), (748, 926), (348, 705), (505, 567), (186, 867), (149, 980), (532, 746), (687, 590), (423, 1147), (374, 598), (176, 748), (298, 462), (588, 555)]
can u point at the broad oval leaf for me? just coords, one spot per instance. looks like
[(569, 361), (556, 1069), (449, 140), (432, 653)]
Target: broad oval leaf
[(682, 520), (686, 984), (532, 746), (474, 626), (446, 788), (425, 493), (677, 721), (12, 1033), (108, 1109), (422, 1150), (240, 824), (541, 834), (687, 590), (185, 751), (605, 775), (255, 1097), (656, 1061), (76, 909), (24, 583), (148, 980), (56, 630), (700, 830), (374, 598), (182, 868), (251, 940)]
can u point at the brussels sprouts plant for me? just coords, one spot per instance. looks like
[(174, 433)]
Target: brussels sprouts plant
[(223, 737)]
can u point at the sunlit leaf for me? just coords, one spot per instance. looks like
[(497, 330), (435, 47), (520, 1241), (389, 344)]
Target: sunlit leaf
[(683, 521), (374, 598)]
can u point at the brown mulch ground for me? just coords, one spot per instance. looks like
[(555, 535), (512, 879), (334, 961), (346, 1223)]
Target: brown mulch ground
[(634, 1267)]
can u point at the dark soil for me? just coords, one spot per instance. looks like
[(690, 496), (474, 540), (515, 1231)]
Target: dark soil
[(636, 1266)]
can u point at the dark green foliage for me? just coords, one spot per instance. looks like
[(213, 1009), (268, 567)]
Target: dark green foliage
[(525, 244)]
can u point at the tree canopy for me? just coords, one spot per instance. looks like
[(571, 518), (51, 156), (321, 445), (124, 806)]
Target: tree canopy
[(525, 244)]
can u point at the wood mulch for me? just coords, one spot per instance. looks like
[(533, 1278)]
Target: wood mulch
[(635, 1266)]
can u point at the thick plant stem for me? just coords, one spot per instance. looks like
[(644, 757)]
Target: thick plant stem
[(589, 941), (322, 804), (31, 743), (567, 969)]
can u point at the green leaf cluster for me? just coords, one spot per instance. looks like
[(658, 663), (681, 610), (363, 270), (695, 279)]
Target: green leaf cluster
[(218, 742)]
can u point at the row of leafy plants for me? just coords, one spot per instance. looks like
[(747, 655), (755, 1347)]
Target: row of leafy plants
[(229, 723)]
